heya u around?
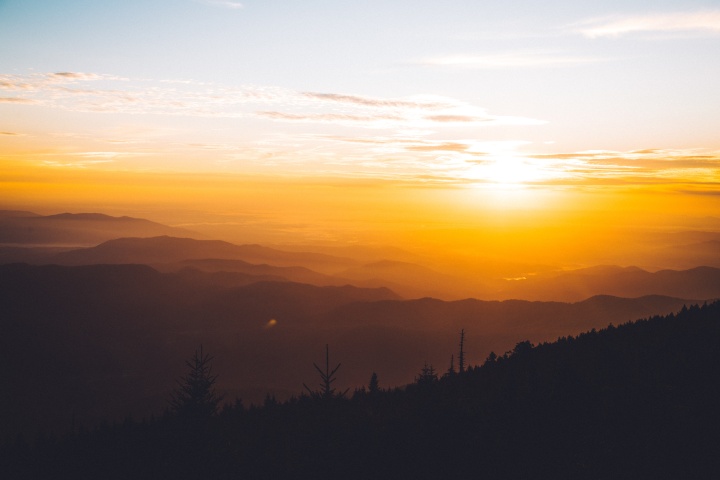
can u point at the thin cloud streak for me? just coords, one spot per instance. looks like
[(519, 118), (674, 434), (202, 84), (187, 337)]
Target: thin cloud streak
[(510, 60), (223, 4), (94, 93), (412, 159), (707, 22), (376, 102), (25, 101), (641, 167)]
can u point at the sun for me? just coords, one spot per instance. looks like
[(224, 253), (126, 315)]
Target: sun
[(510, 171), (511, 182)]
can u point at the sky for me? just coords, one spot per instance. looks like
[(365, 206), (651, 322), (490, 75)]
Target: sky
[(326, 120)]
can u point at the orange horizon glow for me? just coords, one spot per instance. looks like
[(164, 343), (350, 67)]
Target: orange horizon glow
[(571, 224)]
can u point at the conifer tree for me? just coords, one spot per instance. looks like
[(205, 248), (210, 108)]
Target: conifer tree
[(451, 370), (374, 386), (461, 357), (326, 392), (195, 397), (427, 375)]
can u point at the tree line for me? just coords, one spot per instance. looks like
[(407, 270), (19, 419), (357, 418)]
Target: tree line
[(638, 400)]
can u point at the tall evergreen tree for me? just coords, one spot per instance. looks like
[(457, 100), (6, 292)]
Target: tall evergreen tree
[(427, 375), (374, 386), (451, 370), (195, 397), (461, 356), (326, 392)]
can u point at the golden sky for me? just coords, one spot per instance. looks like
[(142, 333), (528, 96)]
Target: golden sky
[(453, 127)]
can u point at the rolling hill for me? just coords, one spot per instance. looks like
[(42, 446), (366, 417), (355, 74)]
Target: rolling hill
[(576, 285), (637, 400), (166, 250), (109, 340), (77, 229)]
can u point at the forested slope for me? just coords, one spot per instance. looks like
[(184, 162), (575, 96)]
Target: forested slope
[(634, 401)]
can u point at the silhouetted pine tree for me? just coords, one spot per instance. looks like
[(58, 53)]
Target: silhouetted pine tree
[(451, 371), (195, 396), (461, 356), (373, 386), (427, 375), (326, 392)]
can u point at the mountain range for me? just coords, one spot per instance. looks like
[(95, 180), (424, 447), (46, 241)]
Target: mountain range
[(699, 282), (28, 229), (108, 340), (102, 310), (410, 280)]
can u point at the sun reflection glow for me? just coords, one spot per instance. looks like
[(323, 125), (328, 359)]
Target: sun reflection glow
[(509, 171)]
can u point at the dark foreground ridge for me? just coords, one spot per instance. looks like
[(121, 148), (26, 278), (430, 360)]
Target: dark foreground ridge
[(635, 401)]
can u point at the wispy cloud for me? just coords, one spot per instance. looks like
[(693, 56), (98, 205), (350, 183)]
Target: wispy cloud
[(88, 92), (62, 76), (649, 166), (408, 139), (84, 159), (426, 103), (26, 101), (331, 118), (470, 162), (510, 60), (223, 4), (704, 22)]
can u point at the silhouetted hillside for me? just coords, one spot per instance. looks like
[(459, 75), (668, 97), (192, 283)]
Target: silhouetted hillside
[(30, 229), (548, 319), (412, 280), (294, 274), (165, 250), (17, 213), (37, 239), (171, 254), (86, 331), (636, 401), (109, 339), (576, 285)]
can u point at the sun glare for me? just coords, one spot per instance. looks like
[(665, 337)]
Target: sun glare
[(507, 172), (510, 171)]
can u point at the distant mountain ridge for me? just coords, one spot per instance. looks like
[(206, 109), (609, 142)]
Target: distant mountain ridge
[(408, 279), (112, 240), (95, 216), (30, 229), (412, 280), (294, 274), (17, 213), (699, 282), (166, 249)]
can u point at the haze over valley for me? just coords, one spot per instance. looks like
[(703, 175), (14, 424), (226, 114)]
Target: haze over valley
[(408, 239), (116, 318)]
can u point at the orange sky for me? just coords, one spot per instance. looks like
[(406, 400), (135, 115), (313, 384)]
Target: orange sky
[(571, 225), (563, 134)]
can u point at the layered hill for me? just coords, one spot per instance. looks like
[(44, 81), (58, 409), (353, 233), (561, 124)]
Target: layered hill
[(576, 285), (44, 239), (27, 229), (637, 400), (408, 279), (109, 340), (167, 250)]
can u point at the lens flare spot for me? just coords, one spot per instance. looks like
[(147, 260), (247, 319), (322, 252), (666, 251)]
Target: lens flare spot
[(270, 324)]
